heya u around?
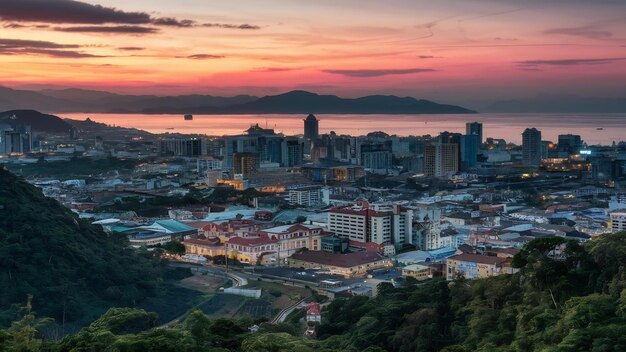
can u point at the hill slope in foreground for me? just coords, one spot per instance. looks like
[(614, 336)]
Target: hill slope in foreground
[(73, 270)]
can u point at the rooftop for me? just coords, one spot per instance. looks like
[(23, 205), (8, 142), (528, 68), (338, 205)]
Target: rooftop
[(361, 212), (200, 242), (346, 260), (290, 228), (174, 226), (477, 258), (256, 241), (416, 267)]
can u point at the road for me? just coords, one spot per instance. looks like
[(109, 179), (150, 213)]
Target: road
[(280, 317)]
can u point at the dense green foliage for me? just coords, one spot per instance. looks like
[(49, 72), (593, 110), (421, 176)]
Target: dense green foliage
[(73, 270)]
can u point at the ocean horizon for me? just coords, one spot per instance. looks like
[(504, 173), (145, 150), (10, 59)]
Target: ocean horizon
[(593, 128)]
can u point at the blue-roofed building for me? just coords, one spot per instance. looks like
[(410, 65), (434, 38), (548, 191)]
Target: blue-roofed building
[(177, 230), (418, 256)]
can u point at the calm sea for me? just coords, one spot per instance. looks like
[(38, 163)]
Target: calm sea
[(594, 128)]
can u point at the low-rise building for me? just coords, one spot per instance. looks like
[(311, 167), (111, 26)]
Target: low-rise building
[(276, 243), (416, 271), (202, 247), (225, 229), (310, 196), (617, 222), (474, 266), (313, 312), (252, 250), (148, 239), (346, 264)]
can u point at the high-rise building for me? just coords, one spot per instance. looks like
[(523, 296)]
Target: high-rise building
[(246, 164), (475, 128), (531, 147), (548, 150), (269, 146), (182, 147), (569, 144), (449, 137), (311, 127), (15, 139), (376, 156), (293, 152), (441, 159), (383, 224), (469, 150)]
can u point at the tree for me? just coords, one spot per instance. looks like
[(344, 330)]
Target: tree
[(174, 247), (23, 335)]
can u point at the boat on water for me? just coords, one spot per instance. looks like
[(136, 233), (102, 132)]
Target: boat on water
[(599, 128), (188, 117)]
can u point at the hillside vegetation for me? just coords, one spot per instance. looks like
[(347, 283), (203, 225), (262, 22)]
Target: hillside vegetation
[(73, 270)]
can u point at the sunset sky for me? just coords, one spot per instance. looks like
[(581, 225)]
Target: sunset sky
[(452, 51)]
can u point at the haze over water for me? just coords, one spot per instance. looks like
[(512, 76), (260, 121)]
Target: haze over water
[(594, 128)]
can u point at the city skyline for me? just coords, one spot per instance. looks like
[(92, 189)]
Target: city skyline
[(453, 51)]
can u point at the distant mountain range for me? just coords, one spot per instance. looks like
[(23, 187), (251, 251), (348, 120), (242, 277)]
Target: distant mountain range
[(294, 102)]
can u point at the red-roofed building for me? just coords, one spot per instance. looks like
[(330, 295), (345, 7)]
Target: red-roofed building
[(313, 312), (276, 243), (232, 228)]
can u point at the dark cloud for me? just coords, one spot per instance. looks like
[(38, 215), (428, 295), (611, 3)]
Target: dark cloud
[(231, 26), (13, 25), (20, 43), (109, 29), (131, 48), (78, 12), (67, 11), (378, 73), (39, 47), (585, 32), (171, 21), (204, 57), (70, 54), (17, 25), (570, 62), (426, 57)]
